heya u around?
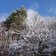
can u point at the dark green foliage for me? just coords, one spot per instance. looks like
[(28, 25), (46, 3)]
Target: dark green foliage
[(17, 17), (41, 47), (53, 53)]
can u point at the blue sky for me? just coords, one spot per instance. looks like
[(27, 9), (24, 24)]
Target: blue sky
[(43, 7)]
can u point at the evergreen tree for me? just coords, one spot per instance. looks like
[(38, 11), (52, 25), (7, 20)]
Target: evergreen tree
[(17, 18)]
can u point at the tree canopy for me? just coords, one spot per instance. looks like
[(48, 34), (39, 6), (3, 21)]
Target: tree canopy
[(16, 18)]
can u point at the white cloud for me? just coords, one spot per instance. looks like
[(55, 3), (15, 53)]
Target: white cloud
[(34, 6), (3, 16), (52, 10)]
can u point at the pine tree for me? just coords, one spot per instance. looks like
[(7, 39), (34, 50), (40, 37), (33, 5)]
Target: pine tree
[(16, 18)]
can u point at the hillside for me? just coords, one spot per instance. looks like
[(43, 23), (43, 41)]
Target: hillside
[(37, 37)]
